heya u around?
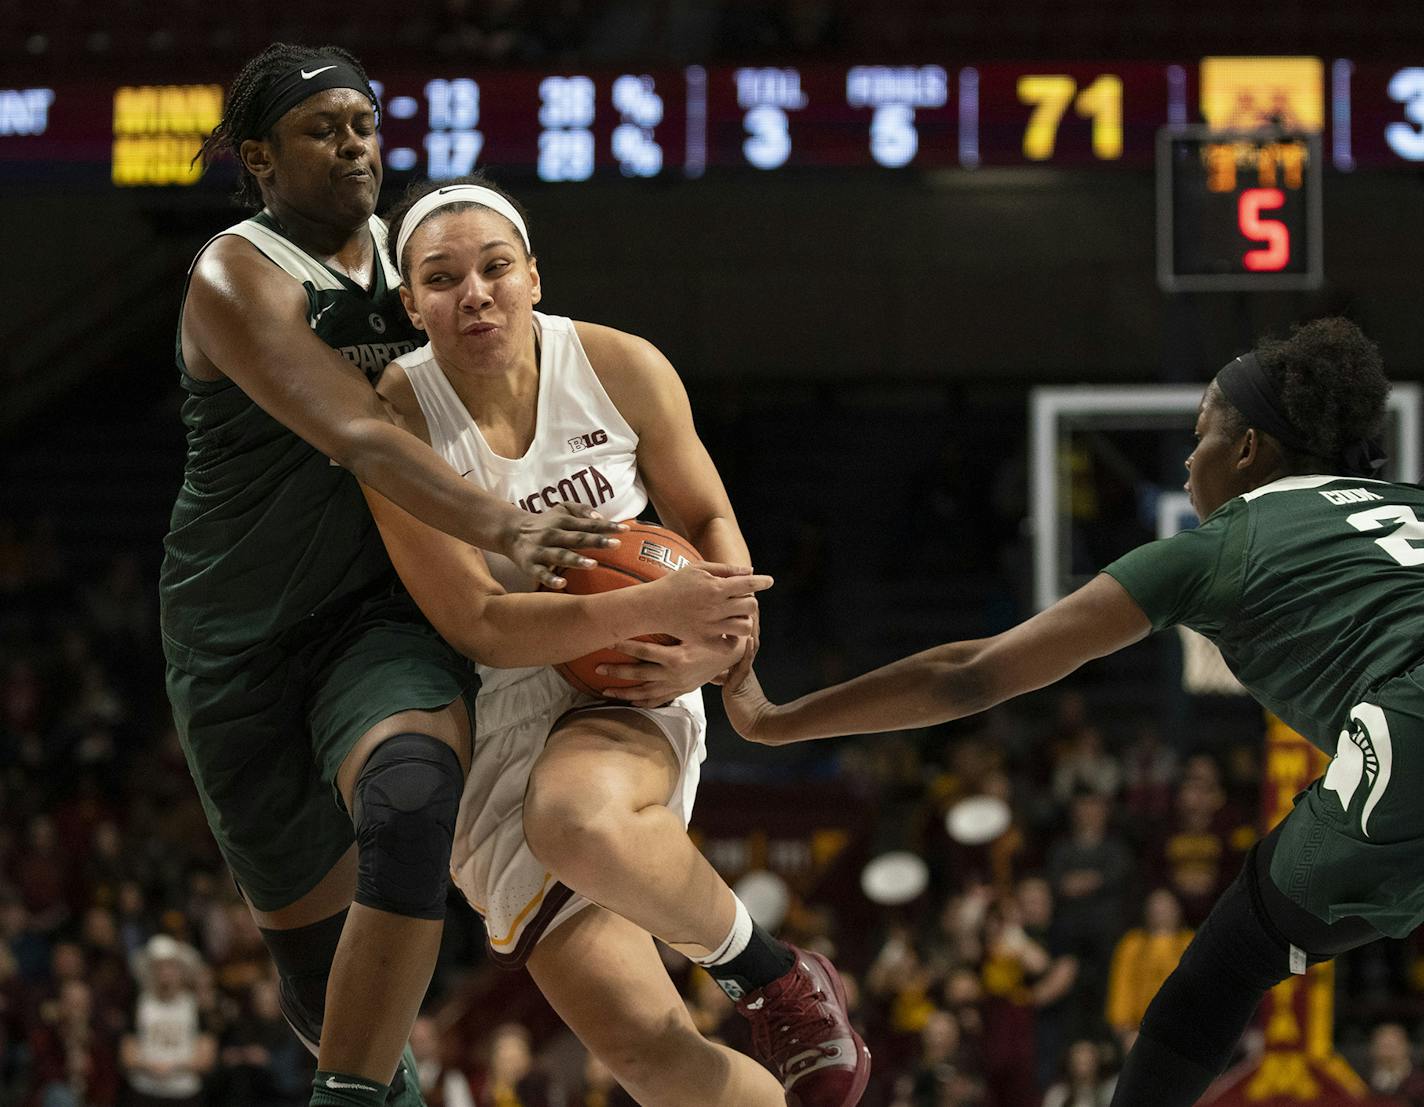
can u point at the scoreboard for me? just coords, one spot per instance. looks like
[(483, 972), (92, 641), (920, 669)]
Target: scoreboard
[(569, 126), (1238, 211)]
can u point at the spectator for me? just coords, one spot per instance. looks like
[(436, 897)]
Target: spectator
[(262, 1060), (1086, 765), (441, 1084), (509, 1079), (1145, 956), (943, 1073), (13, 1006), (72, 1058), (134, 922), (1056, 990), (1083, 1083), (1392, 1068), (1149, 773), (598, 1088), (42, 876), (168, 1053), (1020, 976), (1089, 871), (1203, 848), (107, 969)]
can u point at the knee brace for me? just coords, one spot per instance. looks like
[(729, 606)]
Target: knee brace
[(303, 958), (406, 799)]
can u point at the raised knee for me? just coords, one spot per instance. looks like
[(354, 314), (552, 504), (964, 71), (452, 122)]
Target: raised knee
[(406, 801), (569, 823)]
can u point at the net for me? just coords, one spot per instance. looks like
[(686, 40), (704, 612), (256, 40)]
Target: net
[(1204, 673)]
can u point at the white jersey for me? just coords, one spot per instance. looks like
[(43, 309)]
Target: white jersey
[(167, 1033), (583, 448)]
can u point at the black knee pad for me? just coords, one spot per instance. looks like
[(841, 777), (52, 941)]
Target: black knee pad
[(406, 799), (303, 958)]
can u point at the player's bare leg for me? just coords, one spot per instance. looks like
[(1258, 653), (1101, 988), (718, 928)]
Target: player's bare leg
[(603, 976), (596, 814)]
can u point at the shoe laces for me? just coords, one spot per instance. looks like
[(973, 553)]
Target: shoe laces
[(787, 1027)]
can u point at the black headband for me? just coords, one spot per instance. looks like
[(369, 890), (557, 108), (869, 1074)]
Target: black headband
[(310, 77), (1250, 391)]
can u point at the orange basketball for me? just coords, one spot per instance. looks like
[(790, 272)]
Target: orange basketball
[(647, 552)]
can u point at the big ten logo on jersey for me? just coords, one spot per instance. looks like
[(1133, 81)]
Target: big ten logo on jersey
[(1349, 495), (589, 440), (656, 551)]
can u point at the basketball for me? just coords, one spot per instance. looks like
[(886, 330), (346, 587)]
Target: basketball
[(647, 552)]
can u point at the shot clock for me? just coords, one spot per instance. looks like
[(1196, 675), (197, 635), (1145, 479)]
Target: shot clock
[(1238, 210)]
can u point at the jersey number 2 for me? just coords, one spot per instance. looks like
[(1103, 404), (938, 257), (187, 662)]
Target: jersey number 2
[(1399, 545)]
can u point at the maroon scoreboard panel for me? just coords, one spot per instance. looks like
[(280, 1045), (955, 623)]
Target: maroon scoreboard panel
[(570, 126)]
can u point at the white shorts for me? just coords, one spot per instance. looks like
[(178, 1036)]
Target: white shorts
[(491, 863)]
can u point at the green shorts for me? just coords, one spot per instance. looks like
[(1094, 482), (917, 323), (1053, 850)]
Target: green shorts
[(1354, 844), (264, 739)]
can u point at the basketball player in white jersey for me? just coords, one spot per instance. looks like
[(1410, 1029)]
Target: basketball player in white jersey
[(571, 839)]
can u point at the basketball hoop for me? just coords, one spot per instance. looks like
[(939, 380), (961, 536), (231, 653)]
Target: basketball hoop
[(1203, 671)]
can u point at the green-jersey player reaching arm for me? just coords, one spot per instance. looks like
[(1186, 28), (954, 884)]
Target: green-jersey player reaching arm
[(1308, 573)]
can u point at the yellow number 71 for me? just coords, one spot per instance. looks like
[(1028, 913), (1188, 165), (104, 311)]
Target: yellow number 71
[(1101, 102)]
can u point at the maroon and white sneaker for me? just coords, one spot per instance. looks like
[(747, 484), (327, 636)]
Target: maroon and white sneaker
[(801, 1030)]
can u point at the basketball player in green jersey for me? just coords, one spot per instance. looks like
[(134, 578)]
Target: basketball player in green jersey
[(324, 722), (1309, 575)]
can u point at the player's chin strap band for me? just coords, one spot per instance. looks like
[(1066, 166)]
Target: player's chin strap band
[(1249, 389), (428, 204)]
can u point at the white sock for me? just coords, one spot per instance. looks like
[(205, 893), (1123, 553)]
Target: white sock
[(736, 940)]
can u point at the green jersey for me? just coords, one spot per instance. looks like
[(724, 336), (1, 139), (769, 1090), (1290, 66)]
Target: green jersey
[(1312, 587), (266, 531)]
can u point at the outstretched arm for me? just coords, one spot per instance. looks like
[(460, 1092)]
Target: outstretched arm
[(253, 329), (949, 681)]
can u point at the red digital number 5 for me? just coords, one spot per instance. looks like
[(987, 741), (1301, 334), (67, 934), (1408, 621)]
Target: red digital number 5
[(1275, 255)]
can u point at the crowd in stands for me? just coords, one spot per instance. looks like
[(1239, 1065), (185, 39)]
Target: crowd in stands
[(131, 973)]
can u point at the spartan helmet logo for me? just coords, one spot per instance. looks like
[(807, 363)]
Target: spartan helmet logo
[(1363, 754)]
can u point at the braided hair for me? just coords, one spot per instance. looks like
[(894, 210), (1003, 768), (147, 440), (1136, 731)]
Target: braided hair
[(1331, 381), (240, 112)]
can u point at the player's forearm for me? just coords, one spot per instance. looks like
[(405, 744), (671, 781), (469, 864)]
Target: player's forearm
[(928, 688), (410, 474), (545, 628), (720, 539)]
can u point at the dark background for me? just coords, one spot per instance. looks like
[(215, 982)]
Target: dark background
[(859, 346)]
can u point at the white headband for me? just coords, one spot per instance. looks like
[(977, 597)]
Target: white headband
[(456, 194)]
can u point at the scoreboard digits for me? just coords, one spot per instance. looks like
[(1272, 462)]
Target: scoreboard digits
[(895, 94), (1407, 139), (766, 95), (1050, 95), (1238, 211), (569, 126), (453, 142), (566, 111)]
